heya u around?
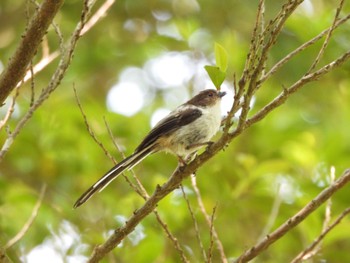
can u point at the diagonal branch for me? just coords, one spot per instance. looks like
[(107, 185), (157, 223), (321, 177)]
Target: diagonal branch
[(29, 222), (296, 219), (49, 57), (317, 241), (280, 99), (64, 63), (307, 44), (20, 61), (328, 37), (214, 233)]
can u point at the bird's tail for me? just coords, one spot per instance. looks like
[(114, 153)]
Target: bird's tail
[(127, 163)]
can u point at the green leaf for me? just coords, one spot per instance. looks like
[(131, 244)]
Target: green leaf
[(216, 75), (221, 57)]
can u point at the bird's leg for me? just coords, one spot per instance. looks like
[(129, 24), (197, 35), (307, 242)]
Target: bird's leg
[(190, 157), (182, 161)]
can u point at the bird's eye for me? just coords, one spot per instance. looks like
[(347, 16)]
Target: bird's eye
[(210, 94)]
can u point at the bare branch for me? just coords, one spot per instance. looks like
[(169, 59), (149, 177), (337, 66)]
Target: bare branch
[(255, 69), (328, 36), (138, 188), (219, 245), (19, 62), (316, 246), (29, 222), (150, 204), (88, 127), (55, 79), (305, 254), (210, 250), (3, 257), (255, 43), (280, 99), (307, 44), (101, 12), (296, 219), (270, 34), (48, 58), (10, 110), (195, 223), (172, 238)]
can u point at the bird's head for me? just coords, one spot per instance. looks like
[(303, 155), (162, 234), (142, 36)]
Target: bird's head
[(207, 98)]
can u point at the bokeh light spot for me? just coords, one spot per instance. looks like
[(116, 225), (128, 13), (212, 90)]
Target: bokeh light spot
[(125, 98)]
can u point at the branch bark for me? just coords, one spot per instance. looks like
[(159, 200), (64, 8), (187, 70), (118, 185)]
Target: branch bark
[(18, 64), (296, 219), (56, 78), (309, 251)]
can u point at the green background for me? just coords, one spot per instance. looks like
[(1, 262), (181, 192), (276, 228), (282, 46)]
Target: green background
[(292, 149)]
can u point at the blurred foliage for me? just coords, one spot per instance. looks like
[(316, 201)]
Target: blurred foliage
[(291, 150)]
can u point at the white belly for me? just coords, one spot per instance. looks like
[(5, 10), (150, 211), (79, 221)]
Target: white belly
[(198, 132)]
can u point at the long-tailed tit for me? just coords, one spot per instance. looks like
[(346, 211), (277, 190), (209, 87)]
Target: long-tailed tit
[(186, 129)]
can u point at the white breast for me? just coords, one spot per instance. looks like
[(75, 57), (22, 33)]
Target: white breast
[(198, 132)]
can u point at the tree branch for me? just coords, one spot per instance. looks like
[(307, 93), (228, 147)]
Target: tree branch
[(200, 202), (19, 62), (29, 222), (195, 224), (296, 219), (49, 57), (306, 253), (64, 63)]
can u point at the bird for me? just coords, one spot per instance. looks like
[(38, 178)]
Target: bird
[(182, 133)]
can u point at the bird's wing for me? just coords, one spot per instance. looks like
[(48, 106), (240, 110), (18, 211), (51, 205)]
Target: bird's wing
[(170, 124)]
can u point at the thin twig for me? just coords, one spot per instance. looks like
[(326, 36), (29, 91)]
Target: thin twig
[(29, 222), (328, 37), (100, 13), (270, 33), (295, 220), (310, 252), (211, 245), (255, 43), (305, 45), (219, 245), (88, 127), (138, 188), (10, 110), (195, 223), (305, 254), (172, 238), (282, 97), (48, 58)]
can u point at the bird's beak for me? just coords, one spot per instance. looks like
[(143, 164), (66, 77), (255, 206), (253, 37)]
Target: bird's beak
[(221, 94)]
